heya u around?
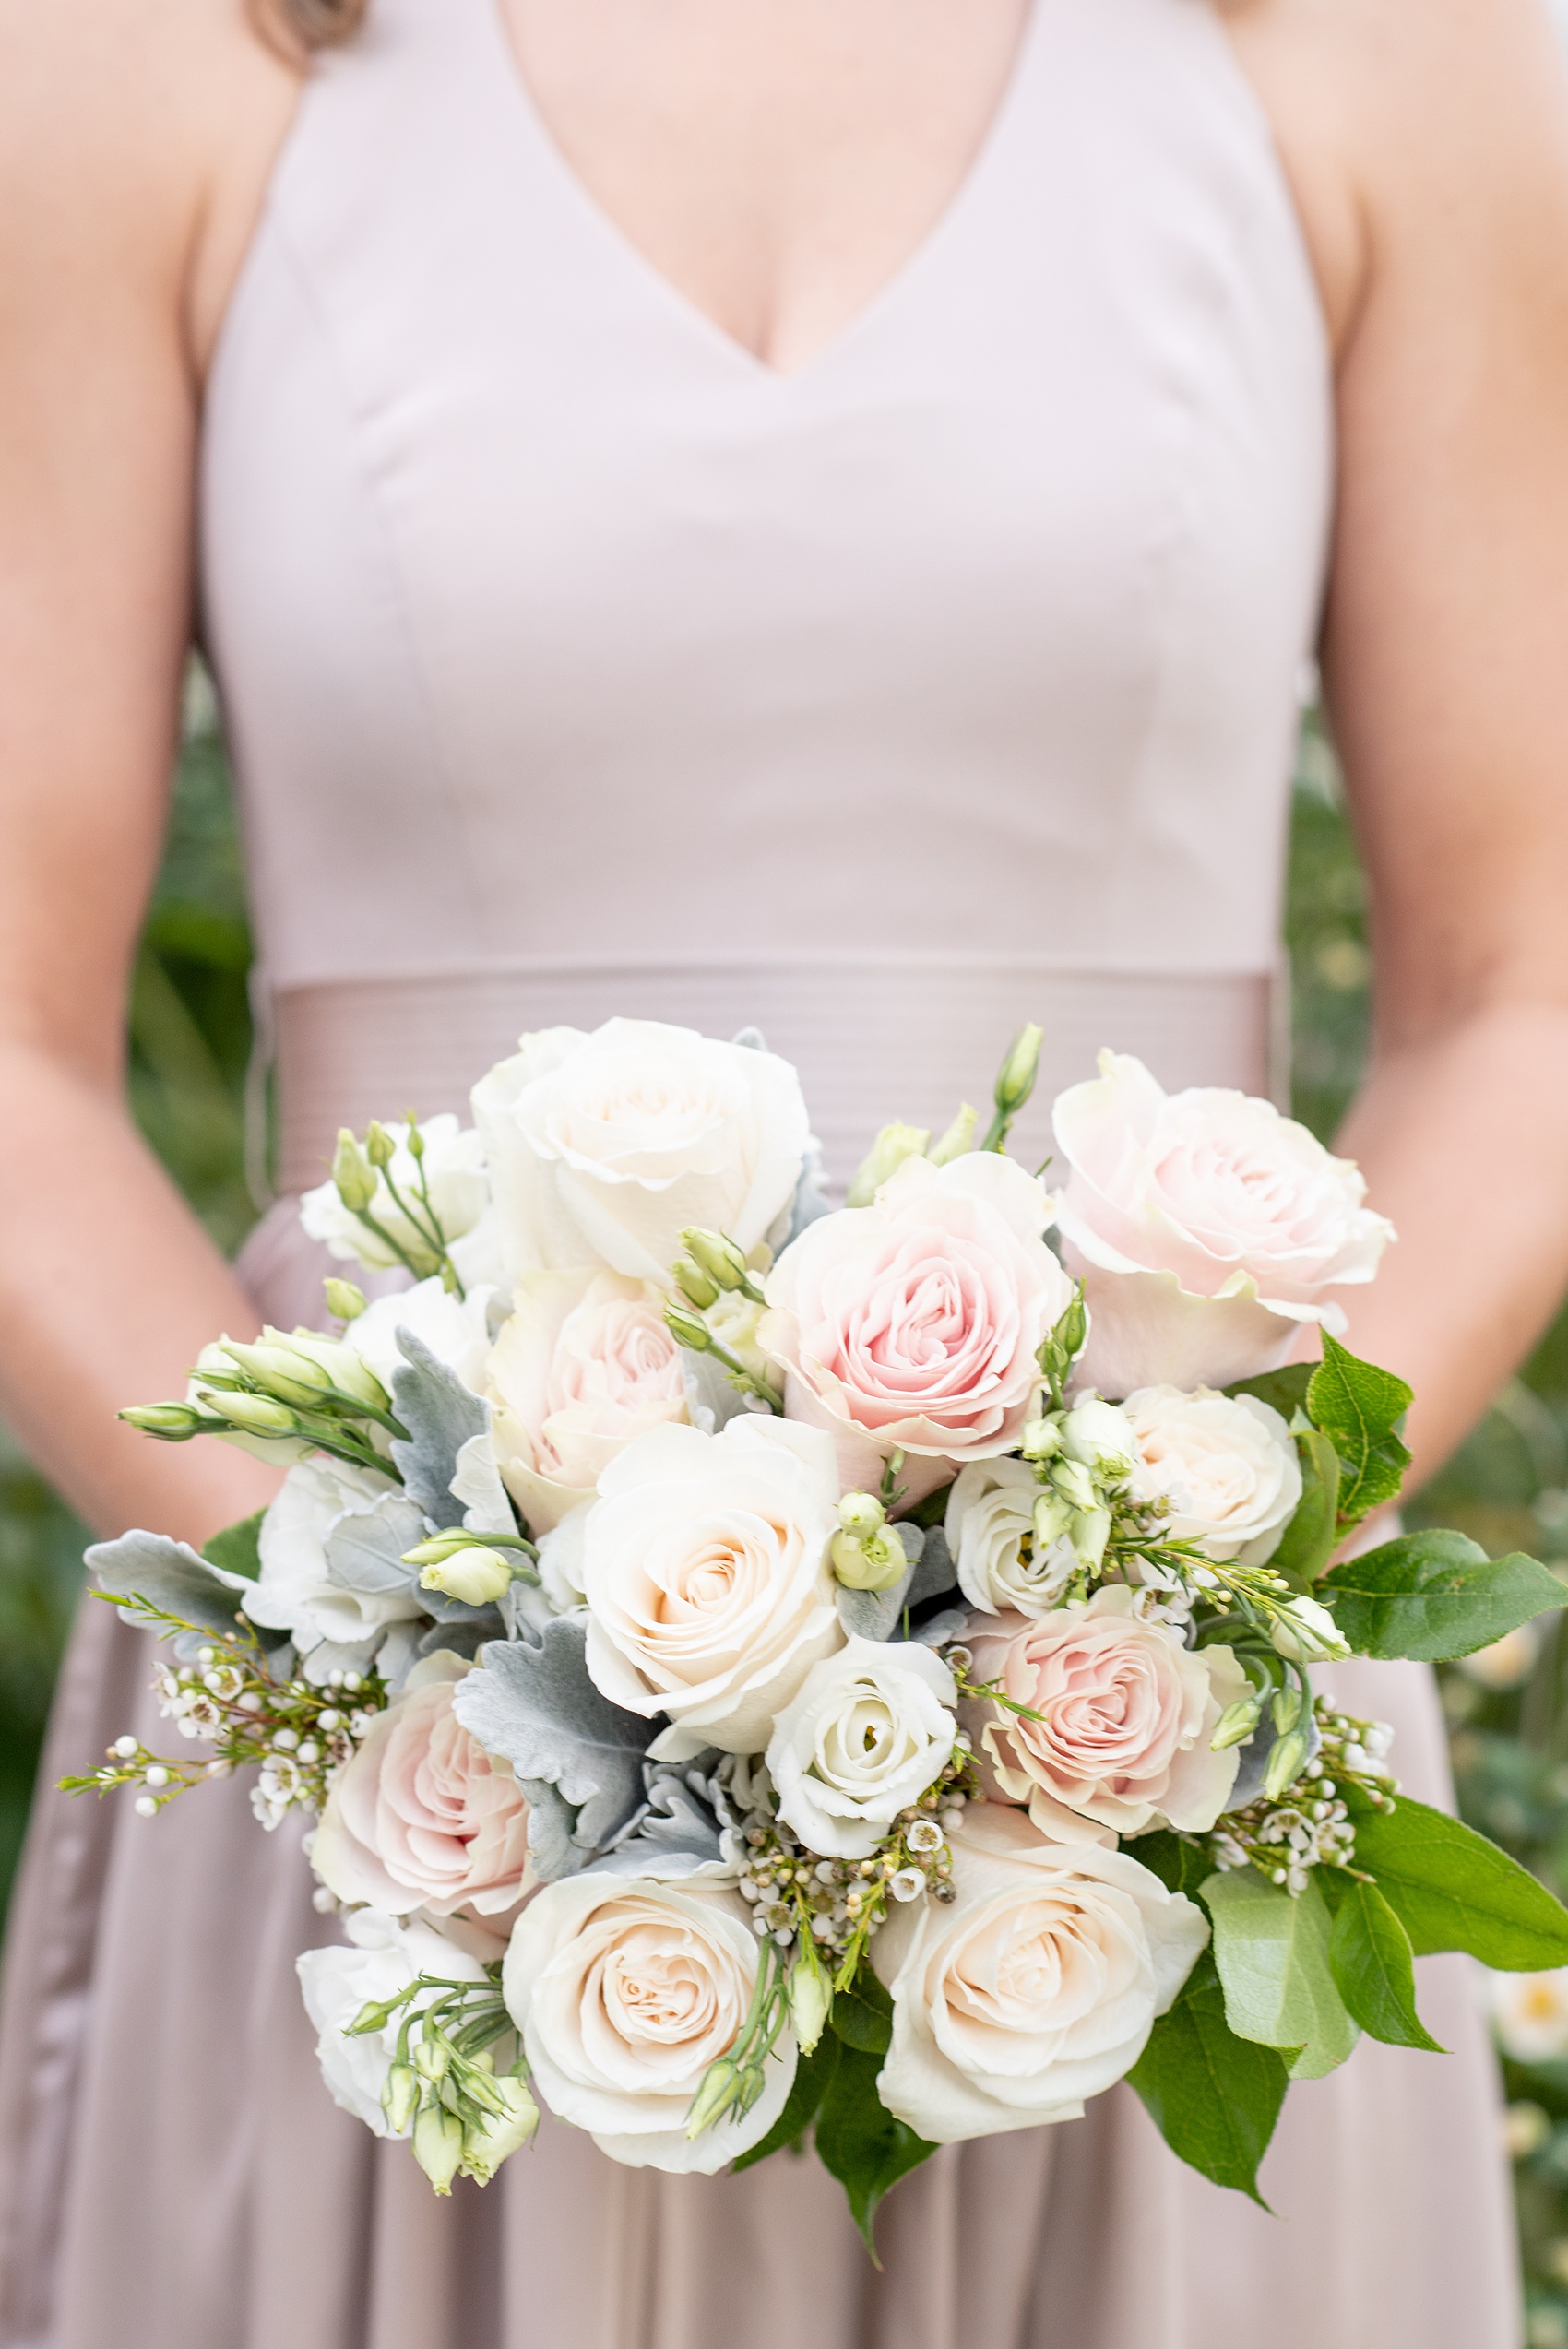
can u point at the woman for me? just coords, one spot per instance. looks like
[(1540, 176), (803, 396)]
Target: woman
[(810, 514)]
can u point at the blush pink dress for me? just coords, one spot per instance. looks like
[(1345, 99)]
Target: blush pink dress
[(575, 663)]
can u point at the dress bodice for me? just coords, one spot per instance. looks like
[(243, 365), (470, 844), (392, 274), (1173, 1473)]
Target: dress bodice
[(569, 651)]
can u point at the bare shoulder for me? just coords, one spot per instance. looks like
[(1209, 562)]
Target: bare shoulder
[(135, 139), (1422, 136)]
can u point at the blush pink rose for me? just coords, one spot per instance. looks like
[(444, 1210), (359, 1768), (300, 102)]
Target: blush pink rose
[(582, 1365), (914, 1323), (422, 1818), (1205, 1226), (1126, 1716)]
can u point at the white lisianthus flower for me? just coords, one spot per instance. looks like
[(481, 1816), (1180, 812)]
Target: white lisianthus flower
[(1099, 1435), (1227, 1463), (1118, 1715), (704, 1564), (451, 1170), (1205, 1227), (583, 1364), (989, 1528), (1036, 1990), (295, 1592), (453, 1328), (625, 1991), (1530, 2013), (868, 1732), (914, 1324), (602, 1148), (384, 1954), (1306, 1633)]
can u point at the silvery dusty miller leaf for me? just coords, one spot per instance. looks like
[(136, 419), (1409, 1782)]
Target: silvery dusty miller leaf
[(171, 1576), (537, 1708), (440, 1414)]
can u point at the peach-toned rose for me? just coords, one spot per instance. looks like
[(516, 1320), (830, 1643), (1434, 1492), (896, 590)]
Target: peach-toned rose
[(1126, 1716), (583, 1364), (914, 1323), (1205, 1227), (422, 1818), (1036, 1990)]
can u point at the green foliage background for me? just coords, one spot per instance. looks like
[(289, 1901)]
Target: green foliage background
[(1508, 1487)]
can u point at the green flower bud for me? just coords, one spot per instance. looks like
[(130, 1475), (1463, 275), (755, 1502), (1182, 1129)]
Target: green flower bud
[(476, 1575), (439, 2145), (343, 1300), (694, 1285), (1285, 1764), (173, 1422), (352, 1174), (399, 2097), (958, 1139), (1051, 1518), (886, 1155), (1075, 1483), (1015, 1077), (714, 2097), (379, 1147), (438, 1548), (487, 2143), (1088, 1532), (1042, 1438), (432, 2057), (874, 1565), (416, 1139), (717, 1257), (1235, 1725), (687, 1329), (811, 1996), (860, 1514), (285, 1376), (257, 1414), (1286, 1708)]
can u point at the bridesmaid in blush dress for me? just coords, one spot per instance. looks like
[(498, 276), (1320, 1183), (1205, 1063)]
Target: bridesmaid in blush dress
[(575, 660)]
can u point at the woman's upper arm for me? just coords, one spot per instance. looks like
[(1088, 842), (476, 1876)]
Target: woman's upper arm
[(1446, 638)]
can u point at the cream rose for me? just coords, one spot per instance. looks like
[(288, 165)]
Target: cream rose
[(914, 1323), (989, 1529), (421, 1817), (384, 1954), (1126, 1713), (602, 1148), (870, 1730), (625, 1991), (1036, 1990), (1226, 1464), (703, 1564), (452, 1171), (1205, 1227), (582, 1365)]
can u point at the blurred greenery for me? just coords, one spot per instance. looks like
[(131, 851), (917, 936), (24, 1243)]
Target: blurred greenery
[(190, 1043)]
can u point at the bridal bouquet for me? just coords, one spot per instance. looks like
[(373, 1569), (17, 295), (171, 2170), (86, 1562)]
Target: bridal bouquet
[(756, 1667)]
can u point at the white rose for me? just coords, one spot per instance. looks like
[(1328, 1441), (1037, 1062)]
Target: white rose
[(704, 1564), (625, 1991), (602, 1148), (1530, 2013), (1036, 1990), (865, 1736), (1227, 1463), (989, 1528), (295, 1591), (1205, 1227), (453, 1174), (454, 1328), (384, 1954), (583, 1364)]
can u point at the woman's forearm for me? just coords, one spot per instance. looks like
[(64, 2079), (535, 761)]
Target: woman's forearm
[(108, 1288), (1463, 1138)]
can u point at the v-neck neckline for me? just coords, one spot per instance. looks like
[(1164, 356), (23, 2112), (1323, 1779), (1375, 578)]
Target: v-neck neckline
[(682, 306)]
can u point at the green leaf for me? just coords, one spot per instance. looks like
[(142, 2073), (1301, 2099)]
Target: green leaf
[(1272, 1950), (1370, 1953), (1451, 1889), (863, 2015), (1436, 1596), (237, 1549), (1360, 1407), (814, 2076), (1180, 1866), (1214, 2098), (1313, 1534), (1284, 1391), (860, 2142)]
